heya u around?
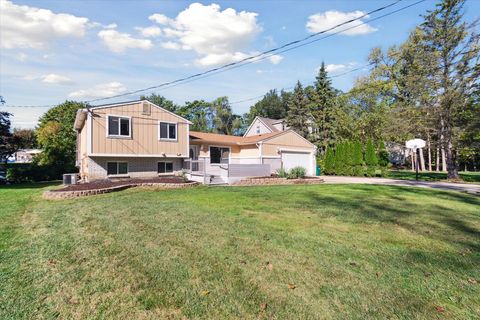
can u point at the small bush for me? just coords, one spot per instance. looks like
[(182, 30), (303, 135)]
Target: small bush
[(282, 173), (33, 173), (297, 173)]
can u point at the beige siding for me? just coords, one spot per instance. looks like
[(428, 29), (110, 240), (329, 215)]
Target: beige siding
[(83, 152), (288, 140), (144, 133), (253, 129)]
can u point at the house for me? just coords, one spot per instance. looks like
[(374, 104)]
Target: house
[(261, 125), (140, 139), (25, 155)]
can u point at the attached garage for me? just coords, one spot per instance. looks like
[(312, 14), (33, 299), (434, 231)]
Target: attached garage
[(292, 159), (290, 150)]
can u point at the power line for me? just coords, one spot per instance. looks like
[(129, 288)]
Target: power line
[(264, 55), (252, 58)]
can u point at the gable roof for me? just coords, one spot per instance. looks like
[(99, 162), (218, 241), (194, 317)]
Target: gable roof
[(82, 113), (268, 122), (230, 140)]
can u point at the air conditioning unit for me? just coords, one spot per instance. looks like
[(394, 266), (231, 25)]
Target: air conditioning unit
[(70, 178)]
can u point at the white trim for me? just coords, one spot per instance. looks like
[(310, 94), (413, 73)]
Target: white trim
[(294, 150), (89, 133), (168, 131), (135, 102), (131, 155), (245, 157), (119, 136), (188, 139)]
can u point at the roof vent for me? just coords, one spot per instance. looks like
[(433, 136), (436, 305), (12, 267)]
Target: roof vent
[(147, 108)]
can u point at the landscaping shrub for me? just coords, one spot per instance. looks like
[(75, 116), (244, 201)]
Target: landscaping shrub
[(33, 173), (329, 162), (282, 173), (297, 173)]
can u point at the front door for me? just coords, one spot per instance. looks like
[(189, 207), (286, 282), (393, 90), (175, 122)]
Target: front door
[(194, 157)]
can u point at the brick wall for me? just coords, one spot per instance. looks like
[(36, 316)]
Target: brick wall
[(137, 167)]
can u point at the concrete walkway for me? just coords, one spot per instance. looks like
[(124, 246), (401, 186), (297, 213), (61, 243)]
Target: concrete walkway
[(463, 187)]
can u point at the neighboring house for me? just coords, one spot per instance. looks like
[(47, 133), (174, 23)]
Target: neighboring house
[(141, 139), (261, 125), (26, 155)]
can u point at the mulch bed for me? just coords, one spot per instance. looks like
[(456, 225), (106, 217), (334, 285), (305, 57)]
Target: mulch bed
[(103, 184)]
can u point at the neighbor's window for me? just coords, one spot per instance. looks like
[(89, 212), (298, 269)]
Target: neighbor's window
[(165, 167), (219, 155), (114, 168), (258, 129), (118, 126), (168, 131)]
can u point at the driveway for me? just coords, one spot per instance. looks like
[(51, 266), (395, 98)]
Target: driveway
[(464, 187)]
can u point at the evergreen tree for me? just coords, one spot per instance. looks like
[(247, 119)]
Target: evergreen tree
[(329, 162), (271, 106), (322, 104), (357, 158), (371, 158), (382, 154), (298, 116)]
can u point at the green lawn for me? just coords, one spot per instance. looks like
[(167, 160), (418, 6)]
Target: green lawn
[(470, 177), (347, 251)]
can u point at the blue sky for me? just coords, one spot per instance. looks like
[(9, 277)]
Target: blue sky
[(57, 50)]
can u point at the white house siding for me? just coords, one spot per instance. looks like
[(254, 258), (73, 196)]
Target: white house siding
[(137, 167), (253, 129)]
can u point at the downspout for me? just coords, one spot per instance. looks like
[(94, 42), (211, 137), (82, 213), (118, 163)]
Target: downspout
[(260, 149)]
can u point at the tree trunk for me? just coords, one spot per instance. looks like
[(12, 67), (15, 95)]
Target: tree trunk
[(429, 155), (422, 160), (452, 170), (413, 160), (444, 160), (437, 161)]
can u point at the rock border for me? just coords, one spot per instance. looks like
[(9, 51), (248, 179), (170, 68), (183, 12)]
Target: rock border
[(276, 181), (62, 195)]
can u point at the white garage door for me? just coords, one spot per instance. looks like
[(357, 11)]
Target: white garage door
[(296, 159)]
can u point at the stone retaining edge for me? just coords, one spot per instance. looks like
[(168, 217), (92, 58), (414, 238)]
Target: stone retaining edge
[(276, 181), (59, 195)]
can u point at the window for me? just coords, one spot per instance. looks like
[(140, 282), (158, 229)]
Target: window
[(114, 168), (165, 167), (258, 129), (168, 131), (118, 126), (219, 155)]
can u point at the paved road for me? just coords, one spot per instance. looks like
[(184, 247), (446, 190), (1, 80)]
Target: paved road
[(464, 187)]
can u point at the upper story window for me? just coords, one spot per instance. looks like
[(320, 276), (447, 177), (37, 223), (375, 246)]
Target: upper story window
[(168, 131), (119, 126), (258, 129)]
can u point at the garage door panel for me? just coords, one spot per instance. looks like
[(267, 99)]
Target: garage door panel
[(296, 159)]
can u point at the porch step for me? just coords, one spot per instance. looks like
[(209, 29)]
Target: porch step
[(216, 180)]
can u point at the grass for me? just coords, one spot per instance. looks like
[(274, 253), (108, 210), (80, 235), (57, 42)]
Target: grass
[(469, 177), (347, 251)]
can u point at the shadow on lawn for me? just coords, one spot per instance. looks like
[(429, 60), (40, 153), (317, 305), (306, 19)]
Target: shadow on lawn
[(33, 185), (439, 225)]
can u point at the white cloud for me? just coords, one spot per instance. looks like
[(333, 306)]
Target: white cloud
[(56, 79), (322, 21), (339, 67), (99, 91), (275, 59), (22, 57), (119, 42), (30, 77), (160, 19), (218, 37), (23, 26), (149, 32)]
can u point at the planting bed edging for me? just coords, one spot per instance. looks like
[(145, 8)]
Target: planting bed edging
[(57, 195), (276, 181)]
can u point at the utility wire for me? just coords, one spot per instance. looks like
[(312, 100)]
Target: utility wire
[(264, 55)]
